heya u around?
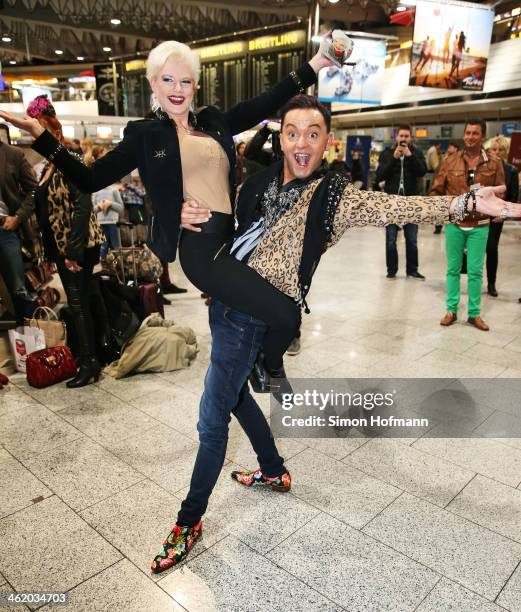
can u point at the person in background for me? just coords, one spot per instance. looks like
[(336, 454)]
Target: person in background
[(133, 196), (461, 171), (400, 167), (108, 206), (239, 168), (357, 171), (76, 146), (167, 286), (17, 182), (433, 158), (256, 156), (72, 238), (340, 165), (498, 149), (86, 145), (434, 161), (451, 149)]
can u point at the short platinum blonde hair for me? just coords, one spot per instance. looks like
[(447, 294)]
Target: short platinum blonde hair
[(501, 141), (171, 49)]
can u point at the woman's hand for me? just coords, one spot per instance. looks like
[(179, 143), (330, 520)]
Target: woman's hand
[(192, 213), (72, 265), (24, 123)]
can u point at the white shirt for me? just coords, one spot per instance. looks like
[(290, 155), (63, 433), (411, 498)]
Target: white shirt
[(4, 211)]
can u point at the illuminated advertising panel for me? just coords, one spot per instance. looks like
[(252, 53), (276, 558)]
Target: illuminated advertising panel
[(450, 45), (360, 83)]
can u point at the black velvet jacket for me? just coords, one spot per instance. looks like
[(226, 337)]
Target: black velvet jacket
[(414, 167), (152, 146), (319, 220)]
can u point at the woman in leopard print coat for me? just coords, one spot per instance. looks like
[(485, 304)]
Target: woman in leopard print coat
[(72, 239)]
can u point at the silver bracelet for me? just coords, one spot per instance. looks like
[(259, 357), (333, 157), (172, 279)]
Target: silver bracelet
[(459, 212), (504, 213)]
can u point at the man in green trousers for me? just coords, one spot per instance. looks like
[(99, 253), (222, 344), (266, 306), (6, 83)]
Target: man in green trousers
[(461, 171)]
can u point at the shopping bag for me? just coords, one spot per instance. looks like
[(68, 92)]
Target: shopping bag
[(46, 319), (24, 341)]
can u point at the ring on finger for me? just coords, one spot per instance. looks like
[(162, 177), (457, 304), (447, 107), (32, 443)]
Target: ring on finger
[(504, 213)]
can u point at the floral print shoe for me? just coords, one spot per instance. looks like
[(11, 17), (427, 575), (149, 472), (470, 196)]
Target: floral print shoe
[(257, 479), (177, 545)]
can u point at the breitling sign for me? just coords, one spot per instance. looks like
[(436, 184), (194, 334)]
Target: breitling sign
[(296, 38), (222, 51)]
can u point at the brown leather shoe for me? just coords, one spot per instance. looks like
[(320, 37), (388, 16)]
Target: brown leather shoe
[(479, 323), (449, 319)]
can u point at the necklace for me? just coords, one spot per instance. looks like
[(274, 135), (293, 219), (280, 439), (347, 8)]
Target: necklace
[(186, 130)]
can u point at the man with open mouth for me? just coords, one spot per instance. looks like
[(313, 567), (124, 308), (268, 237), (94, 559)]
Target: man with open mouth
[(288, 215)]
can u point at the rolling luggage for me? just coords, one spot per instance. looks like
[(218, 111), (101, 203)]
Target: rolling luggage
[(145, 269)]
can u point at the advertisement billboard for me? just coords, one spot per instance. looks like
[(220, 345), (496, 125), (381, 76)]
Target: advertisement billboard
[(451, 44), (360, 83)]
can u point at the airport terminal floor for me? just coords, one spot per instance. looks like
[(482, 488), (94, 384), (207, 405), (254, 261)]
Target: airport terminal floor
[(92, 477)]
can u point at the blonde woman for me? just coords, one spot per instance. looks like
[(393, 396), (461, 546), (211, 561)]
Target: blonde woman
[(186, 155), (498, 148)]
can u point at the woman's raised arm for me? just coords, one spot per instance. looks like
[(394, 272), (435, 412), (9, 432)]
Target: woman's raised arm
[(116, 164)]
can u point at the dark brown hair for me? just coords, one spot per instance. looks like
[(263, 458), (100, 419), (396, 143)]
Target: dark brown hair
[(481, 122), (305, 101)]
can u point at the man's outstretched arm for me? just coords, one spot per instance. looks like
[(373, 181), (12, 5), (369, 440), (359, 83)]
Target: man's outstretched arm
[(361, 208)]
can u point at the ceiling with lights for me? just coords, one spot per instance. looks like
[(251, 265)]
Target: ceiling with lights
[(66, 31), (45, 31)]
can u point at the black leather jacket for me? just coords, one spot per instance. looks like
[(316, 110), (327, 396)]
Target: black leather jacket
[(152, 146), (389, 168)]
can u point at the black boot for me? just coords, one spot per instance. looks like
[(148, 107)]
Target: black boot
[(492, 290), (259, 377), (90, 368), (171, 288), (88, 372), (264, 380)]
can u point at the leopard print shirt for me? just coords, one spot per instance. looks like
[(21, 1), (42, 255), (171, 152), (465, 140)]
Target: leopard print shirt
[(277, 257), (61, 209)]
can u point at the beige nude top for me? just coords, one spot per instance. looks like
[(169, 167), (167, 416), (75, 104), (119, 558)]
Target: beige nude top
[(205, 172)]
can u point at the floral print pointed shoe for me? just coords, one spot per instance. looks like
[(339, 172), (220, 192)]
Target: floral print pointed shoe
[(257, 479), (177, 545)]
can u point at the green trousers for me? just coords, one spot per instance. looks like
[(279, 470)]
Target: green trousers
[(475, 242)]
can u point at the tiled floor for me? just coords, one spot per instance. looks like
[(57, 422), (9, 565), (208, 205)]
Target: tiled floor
[(91, 479)]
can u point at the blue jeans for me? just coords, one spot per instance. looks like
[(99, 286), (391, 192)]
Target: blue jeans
[(12, 267), (236, 340), (112, 240), (410, 232)]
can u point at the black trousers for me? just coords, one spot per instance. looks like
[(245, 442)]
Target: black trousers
[(77, 289), (494, 235), (410, 232), (238, 286)]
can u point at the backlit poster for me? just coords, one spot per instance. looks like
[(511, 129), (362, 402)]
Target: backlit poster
[(360, 83), (450, 45)]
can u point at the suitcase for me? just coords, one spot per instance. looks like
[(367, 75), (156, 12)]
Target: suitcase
[(150, 297), (149, 293)]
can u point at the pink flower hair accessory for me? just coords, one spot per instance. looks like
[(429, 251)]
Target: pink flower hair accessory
[(41, 105)]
